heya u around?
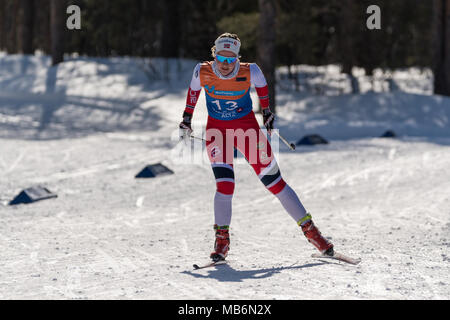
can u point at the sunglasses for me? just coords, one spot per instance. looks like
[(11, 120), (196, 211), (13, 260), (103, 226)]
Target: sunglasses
[(227, 59)]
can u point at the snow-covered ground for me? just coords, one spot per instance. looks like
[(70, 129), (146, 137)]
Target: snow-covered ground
[(85, 128)]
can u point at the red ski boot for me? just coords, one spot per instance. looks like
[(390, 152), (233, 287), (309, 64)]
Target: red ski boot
[(315, 237), (221, 244)]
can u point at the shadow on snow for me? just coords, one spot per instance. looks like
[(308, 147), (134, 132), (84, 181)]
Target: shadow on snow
[(226, 273)]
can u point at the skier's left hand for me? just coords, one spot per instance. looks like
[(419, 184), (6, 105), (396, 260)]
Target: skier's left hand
[(268, 118), (185, 127)]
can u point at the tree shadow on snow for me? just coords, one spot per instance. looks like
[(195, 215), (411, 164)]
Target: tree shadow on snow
[(226, 273), (54, 114), (42, 117)]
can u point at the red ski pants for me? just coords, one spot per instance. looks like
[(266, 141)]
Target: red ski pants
[(245, 135)]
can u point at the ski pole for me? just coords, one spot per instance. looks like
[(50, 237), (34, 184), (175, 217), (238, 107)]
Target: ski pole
[(290, 145), (198, 138)]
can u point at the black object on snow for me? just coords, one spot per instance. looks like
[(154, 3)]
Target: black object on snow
[(388, 134), (154, 170), (311, 140), (32, 194)]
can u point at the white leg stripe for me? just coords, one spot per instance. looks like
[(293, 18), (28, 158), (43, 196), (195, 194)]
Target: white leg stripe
[(221, 164), (269, 168), (225, 180)]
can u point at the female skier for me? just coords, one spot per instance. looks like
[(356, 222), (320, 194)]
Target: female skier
[(232, 123)]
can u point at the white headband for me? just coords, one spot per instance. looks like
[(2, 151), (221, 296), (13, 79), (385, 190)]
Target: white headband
[(229, 44)]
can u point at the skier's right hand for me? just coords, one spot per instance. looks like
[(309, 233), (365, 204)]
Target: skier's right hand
[(268, 119), (185, 126)]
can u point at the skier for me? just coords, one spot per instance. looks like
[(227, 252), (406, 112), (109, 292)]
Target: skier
[(232, 123)]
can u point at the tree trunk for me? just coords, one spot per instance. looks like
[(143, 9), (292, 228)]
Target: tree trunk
[(170, 29), (441, 44), (41, 33), (347, 25), (266, 57), (10, 24), (2, 25), (57, 29), (26, 27)]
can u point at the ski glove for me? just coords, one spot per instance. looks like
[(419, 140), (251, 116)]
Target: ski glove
[(185, 126), (268, 118)]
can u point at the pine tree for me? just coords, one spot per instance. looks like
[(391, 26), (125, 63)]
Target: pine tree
[(441, 38), (57, 22), (26, 26), (266, 45)]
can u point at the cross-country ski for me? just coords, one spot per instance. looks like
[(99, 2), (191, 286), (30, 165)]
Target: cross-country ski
[(209, 264), (337, 256)]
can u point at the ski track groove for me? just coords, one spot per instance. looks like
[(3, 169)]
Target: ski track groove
[(16, 162)]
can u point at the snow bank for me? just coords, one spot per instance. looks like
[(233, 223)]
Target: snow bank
[(85, 95), (366, 115)]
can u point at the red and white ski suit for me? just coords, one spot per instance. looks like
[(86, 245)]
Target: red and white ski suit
[(232, 124)]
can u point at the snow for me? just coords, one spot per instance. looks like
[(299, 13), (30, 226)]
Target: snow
[(85, 128)]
